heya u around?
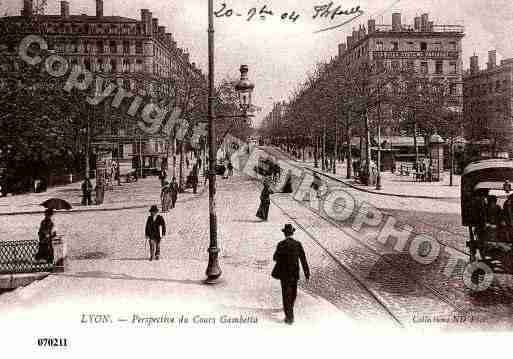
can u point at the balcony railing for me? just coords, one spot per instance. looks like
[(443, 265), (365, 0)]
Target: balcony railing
[(19, 257)]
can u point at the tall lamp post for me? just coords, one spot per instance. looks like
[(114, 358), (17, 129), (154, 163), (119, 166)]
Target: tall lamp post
[(244, 89), (213, 271)]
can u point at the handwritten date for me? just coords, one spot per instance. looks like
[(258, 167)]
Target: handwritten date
[(255, 12)]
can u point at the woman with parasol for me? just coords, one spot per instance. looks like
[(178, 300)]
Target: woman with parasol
[(47, 232), (46, 235)]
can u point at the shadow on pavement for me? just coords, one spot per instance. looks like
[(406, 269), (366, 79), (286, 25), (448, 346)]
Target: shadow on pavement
[(247, 221), (122, 276)]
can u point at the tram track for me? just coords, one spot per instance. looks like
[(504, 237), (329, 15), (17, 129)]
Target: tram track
[(384, 211), (437, 229), (428, 288), (344, 267)]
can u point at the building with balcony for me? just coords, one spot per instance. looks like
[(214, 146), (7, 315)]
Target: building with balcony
[(488, 105), (137, 54), (432, 51)]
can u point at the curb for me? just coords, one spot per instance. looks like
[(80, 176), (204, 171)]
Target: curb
[(92, 209), (13, 281), (380, 193), (397, 195)]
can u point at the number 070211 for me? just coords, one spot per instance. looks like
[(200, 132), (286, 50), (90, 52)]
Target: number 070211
[(52, 342)]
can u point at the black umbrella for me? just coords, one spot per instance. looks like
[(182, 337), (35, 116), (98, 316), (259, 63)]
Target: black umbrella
[(56, 204)]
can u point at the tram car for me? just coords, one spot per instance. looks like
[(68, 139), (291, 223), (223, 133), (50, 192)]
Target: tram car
[(487, 211)]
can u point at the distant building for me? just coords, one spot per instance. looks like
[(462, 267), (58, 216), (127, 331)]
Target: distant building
[(488, 105), (137, 54), (433, 51)]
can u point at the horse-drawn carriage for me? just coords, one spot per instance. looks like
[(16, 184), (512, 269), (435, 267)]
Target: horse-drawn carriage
[(267, 167), (487, 211)]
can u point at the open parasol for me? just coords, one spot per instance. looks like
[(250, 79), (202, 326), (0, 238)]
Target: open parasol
[(56, 204)]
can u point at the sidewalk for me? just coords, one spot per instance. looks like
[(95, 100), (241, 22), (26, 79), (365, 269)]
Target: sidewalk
[(126, 196), (126, 290), (396, 185), (123, 284)]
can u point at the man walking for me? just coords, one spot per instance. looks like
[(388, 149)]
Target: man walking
[(87, 188), (154, 225), (287, 256)]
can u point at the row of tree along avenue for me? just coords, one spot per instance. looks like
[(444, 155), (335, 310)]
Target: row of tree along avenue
[(46, 130), (368, 101)]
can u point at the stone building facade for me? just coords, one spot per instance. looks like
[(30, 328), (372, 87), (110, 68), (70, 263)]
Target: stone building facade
[(488, 105), (138, 54), (433, 51)]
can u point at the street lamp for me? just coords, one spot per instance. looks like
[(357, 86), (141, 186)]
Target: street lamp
[(213, 271), (244, 89)]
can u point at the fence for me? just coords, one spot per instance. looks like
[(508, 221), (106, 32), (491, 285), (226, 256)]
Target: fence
[(19, 257)]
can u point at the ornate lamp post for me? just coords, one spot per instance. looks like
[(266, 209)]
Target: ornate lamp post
[(213, 271), (244, 89)]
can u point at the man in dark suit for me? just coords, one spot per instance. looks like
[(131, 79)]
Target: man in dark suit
[(153, 232), (287, 256)]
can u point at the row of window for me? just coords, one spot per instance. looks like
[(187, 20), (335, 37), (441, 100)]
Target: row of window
[(114, 29), (487, 87), (98, 47), (484, 106), (112, 65), (423, 68)]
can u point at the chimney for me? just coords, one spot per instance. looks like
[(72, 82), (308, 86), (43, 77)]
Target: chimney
[(492, 59), (64, 9), (424, 26), (417, 23), (99, 8), (169, 38), (162, 30), (27, 8), (371, 25), (155, 23), (349, 42), (396, 21), (355, 36), (144, 15), (474, 64), (341, 49)]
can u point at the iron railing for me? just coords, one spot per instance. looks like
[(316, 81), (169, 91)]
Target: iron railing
[(20, 257)]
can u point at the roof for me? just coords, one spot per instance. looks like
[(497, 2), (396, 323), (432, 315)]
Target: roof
[(486, 164), (79, 18)]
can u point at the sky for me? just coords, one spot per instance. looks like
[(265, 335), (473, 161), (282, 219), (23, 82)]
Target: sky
[(280, 53)]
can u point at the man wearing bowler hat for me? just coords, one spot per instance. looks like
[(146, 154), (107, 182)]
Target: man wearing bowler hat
[(287, 256), (154, 225)]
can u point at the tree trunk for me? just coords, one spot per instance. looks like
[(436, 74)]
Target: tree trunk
[(323, 166), (335, 151), (368, 148), (451, 162), (180, 182), (316, 152), (415, 141), (349, 152), (173, 150)]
